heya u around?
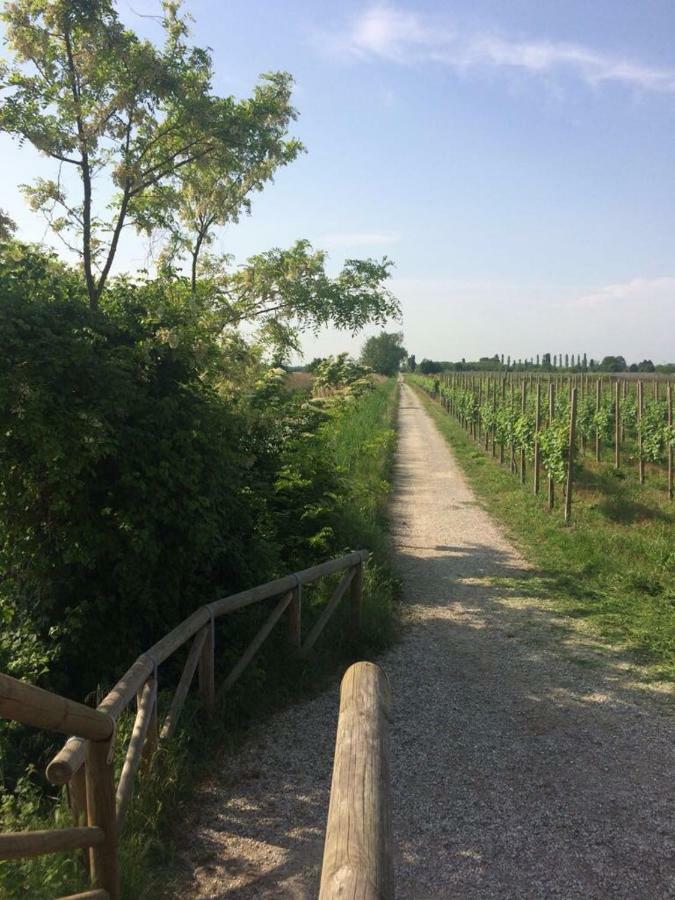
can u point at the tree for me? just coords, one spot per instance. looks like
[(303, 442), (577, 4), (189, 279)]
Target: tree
[(125, 115), (286, 291), (613, 364), (7, 227), (646, 366), (204, 195), (384, 352), (412, 362)]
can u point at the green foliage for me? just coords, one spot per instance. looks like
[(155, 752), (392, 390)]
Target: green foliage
[(91, 95), (628, 412), (655, 432), (210, 192), (553, 443), (384, 353), (290, 288), (124, 477), (524, 431), (604, 419)]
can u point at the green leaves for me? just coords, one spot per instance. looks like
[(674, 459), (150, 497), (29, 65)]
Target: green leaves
[(138, 122), (292, 287), (383, 353)]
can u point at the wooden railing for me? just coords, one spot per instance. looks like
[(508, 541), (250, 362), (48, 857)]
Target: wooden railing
[(85, 762), (358, 857)]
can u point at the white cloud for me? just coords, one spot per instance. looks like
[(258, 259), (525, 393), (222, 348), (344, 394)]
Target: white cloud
[(358, 239), (386, 32), (637, 292)]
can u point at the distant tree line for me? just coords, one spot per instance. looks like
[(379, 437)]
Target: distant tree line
[(546, 362)]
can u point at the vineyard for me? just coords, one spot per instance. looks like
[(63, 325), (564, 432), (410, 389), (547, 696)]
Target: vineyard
[(546, 427)]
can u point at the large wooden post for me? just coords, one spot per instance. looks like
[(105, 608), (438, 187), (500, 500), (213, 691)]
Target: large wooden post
[(101, 813), (358, 853)]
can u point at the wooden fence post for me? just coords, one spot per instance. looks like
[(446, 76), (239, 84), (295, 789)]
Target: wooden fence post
[(152, 734), (101, 812), (570, 456), (207, 682), (358, 850), (295, 618)]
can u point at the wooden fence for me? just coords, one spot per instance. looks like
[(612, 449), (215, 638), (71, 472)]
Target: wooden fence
[(85, 762), (358, 857)]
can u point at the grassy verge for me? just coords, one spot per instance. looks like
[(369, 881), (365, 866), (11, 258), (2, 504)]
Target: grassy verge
[(613, 569), (361, 441)]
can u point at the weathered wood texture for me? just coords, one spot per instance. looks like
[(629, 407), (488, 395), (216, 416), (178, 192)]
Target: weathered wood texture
[(134, 755), (181, 693), (358, 852), (34, 843), (42, 709), (101, 813)]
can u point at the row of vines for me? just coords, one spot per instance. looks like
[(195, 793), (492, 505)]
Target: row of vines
[(548, 425)]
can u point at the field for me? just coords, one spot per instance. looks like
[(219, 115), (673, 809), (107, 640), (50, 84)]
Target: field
[(612, 569)]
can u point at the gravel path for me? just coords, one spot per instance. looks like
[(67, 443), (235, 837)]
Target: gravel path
[(525, 763)]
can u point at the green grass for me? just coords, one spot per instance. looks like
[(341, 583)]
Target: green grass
[(362, 442), (612, 569)]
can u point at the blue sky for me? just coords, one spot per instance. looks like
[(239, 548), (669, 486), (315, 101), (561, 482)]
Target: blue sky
[(516, 160)]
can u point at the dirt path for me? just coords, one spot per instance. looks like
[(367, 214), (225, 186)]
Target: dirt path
[(524, 763)]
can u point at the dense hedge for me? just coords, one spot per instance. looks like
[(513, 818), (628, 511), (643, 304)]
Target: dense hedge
[(137, 478)]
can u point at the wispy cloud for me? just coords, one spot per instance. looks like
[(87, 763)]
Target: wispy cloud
[(637, 292), (358, 238), (406, 37)]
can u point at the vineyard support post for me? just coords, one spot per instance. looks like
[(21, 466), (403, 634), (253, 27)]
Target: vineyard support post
[(551, 417), (494, 417), (617, 425), (537, 426), (669, 398), (523, 400), (641, 462), (570, 456), (598, 388)]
